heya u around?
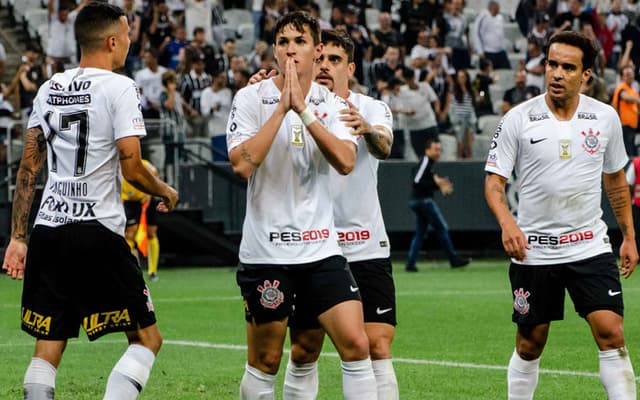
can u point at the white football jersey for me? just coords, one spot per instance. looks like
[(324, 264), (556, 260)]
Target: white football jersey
[(358, 217), (559, 166), (289, 217), (83, 112)]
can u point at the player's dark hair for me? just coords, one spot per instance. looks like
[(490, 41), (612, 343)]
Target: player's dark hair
[(298, 19), (576, 39), (430, 140), (94, 22), (339, 38)]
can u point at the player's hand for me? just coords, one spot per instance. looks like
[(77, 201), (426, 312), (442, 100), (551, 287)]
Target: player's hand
[(514, 241), (14, 258), (285, 96), (354, 120), (628, 258), (262, 75), (297, 97), (169, 200)]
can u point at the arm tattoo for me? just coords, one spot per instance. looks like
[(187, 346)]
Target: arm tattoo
[(247, 157), (502, 196), (620, 204), (125, 156), (33, 157), (378, 144)]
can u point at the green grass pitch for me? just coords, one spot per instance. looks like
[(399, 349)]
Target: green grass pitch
[(453, 340)]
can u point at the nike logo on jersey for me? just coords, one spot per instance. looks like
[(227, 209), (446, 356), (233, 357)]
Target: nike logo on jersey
[(532, 141), (353, 289), (380, 312), (612, 293)]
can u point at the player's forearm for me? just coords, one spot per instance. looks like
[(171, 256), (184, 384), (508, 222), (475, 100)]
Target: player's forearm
[(248, 155), (339, 153), (620, 201), (33, 157), (379, 142), (496, 197)]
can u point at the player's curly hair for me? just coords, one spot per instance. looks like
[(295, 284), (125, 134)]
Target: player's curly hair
[(339, 38)]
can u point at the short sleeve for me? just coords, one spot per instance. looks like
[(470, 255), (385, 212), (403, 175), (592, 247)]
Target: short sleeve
[(504, 146), (36, 118), (127, 117), (378, 113), (335, 126), (242, 123)]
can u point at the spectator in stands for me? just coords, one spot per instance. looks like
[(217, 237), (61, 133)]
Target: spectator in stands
[(631, 51), (360, 38), (132, 63), (149, 81), (519, 93), (616, 22), (573, 19), (420, 104), (390, 95), (3, 59), (240, 80), (31, 74), (381, 70), (172, 122), (540, 31), (224, 59), (488, 36), (199, 44), (215, 105), (420, 53), (440, 80), (238, 63), (601, 60), (314, 10), (171, 47), (625, 100), (457, 34), (255, 57), (596, 88), (61, 44), (158, 28), (191, 86), (481, 83), (432, 50), (197, 14), (417, 15), (535, 65), (425, 184), (462, 113), (385, 35)]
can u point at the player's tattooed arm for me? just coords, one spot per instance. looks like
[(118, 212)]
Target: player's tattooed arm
[(618, 194), (33, 157), (379, 142), (246, 156)]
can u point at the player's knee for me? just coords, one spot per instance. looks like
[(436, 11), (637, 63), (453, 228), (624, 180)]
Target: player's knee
[(355, 347), (379, 348), (267, 361), (303, 355), (610, 338), (529, 350)]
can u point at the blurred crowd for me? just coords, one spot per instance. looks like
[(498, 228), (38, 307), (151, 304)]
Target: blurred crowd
[(445, 67)]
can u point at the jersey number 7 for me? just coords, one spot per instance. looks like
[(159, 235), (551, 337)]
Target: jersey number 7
[(79, 119)]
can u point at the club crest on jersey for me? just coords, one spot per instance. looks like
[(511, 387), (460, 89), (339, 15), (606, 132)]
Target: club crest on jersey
[(591, 142), (520, 303), (321, 117), (297, 138), (271, 296), (564, 147)]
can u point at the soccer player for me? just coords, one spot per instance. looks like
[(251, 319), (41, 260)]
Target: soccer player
[(135, 204), (86, 123), (563, 147), (284, 134), (360, 227)]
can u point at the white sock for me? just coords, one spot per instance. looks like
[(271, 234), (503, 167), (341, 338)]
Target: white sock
[(522, 377), (385, 379), (256, 385), (39, 380), (130, 374), (617, 374), (358, 381), (301, 381)]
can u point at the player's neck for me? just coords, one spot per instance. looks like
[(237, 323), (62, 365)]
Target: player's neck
[(343, 93), (95, 60), (563, 110)]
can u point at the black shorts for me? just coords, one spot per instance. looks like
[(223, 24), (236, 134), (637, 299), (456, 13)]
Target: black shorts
[(82, 274), (272, 292), (538, 290), (133, 211), (378, 292)]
